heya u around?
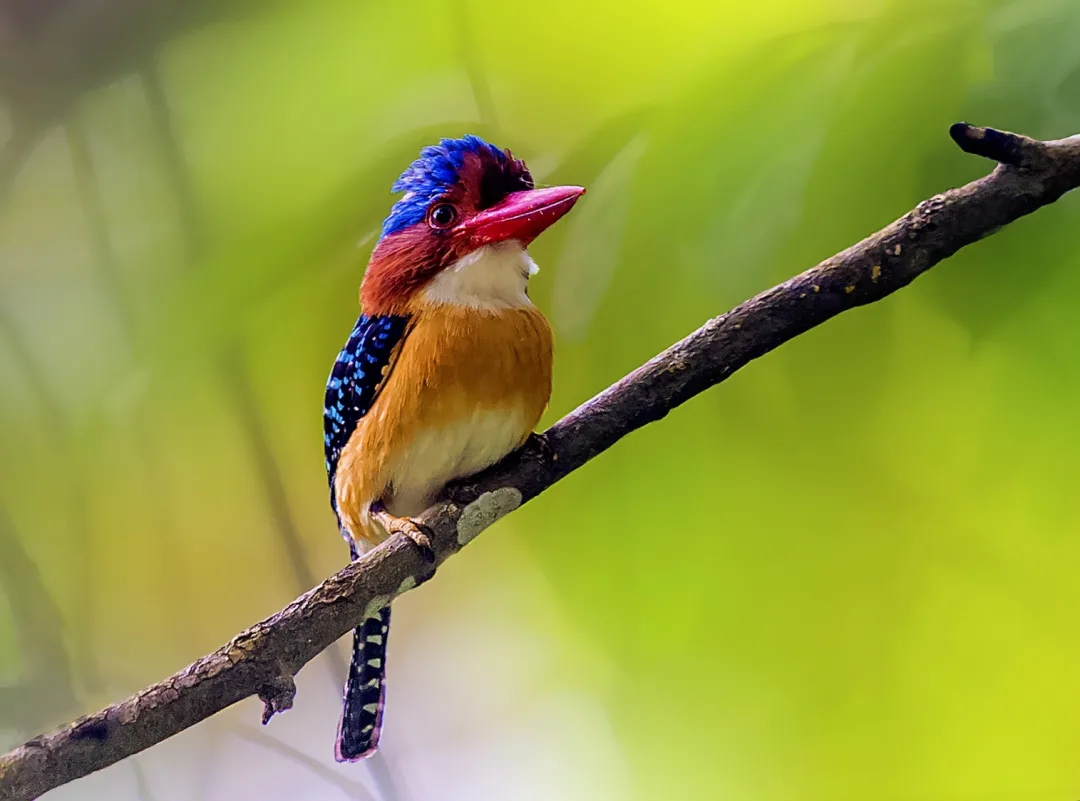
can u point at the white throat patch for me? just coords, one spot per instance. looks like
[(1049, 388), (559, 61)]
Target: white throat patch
[(491, 277)]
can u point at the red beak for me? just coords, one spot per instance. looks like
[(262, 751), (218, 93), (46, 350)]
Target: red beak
[(521, 215)]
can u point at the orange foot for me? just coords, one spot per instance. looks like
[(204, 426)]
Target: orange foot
[(417, 532)]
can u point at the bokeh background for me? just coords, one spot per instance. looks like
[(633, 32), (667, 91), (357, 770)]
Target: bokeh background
[(847, 573)]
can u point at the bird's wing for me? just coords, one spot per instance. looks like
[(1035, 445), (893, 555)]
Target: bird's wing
[(359, 373)]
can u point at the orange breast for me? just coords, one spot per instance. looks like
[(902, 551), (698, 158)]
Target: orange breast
[(468, 387)]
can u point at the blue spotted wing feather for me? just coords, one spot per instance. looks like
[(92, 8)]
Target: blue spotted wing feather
[(354, 383), (359, 374)]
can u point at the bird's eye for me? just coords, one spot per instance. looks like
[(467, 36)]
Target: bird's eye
[(442, 216)]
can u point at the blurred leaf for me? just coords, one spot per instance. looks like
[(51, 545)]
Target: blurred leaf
[(594, 242), (1033, 59), (868, 173), (1031, 63), (733, 153), (43, 693)]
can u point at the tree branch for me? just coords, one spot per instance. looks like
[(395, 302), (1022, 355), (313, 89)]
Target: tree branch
[(262, 660)]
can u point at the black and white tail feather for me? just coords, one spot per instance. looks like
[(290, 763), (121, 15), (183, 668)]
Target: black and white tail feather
[(365, 690)]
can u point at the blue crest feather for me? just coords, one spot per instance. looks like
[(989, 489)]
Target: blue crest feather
[(432, 175)]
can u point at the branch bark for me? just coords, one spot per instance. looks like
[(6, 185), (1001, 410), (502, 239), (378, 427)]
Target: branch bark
[(262, 660)]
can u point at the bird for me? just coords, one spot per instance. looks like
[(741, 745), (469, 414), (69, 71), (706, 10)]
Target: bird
[(447, 370)]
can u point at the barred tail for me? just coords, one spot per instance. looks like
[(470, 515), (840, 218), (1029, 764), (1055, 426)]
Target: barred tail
[(365, 690)]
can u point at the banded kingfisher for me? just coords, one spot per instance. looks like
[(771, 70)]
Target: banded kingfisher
[(447, 370)]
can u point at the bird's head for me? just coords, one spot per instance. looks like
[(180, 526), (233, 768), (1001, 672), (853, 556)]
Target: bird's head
[(460, 231)]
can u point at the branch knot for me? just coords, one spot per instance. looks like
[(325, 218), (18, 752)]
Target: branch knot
[(277, 695), (1001, 146)]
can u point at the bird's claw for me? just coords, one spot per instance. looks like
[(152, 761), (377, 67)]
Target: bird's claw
[(418, 533), (420, 536)]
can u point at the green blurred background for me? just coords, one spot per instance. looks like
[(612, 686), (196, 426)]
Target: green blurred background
[(847, 573)]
